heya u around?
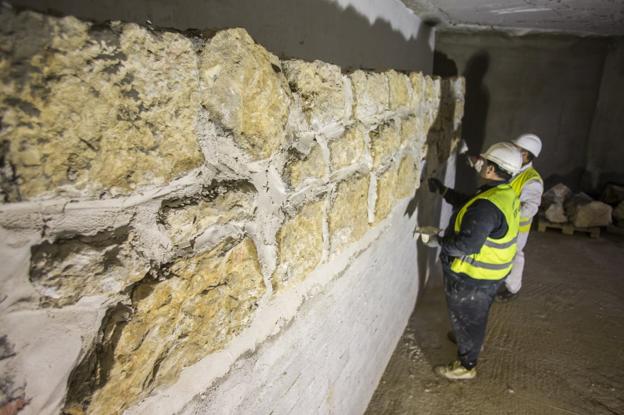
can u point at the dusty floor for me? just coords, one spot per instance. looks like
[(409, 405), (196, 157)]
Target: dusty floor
[(557, 349)]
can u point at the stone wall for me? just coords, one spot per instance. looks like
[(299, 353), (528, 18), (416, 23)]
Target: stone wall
[(172, 203)]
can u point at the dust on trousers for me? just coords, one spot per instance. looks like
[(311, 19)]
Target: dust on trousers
[(468, 306)]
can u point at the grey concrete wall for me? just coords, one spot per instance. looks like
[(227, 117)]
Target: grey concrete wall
[(605, 149), (535, 83), (349, 33)]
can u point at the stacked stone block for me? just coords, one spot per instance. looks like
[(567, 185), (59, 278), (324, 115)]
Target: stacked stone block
[(182, 181)]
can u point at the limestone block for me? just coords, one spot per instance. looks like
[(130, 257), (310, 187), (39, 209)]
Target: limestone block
[(384, 142), (559, 193), (204, 301), (301, 168), (556, 213), (299, 245), (417, 82), (370, 93), (94, 109), (349, 148), (185, 219), (348, 215), (585, 212), (408, 177), (386, 190), (458, 113), (68, 269), (432, 97), (399, 89), (458, 88), (451, 104), (412, 131), (243, 87), (444, 120), (321, 87)]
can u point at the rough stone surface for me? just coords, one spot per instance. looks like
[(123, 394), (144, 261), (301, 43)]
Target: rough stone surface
[(559, 193), (432, 98), (321, 87), (556, 213), (408, 177), (458, 88), (299, 245), (399, 88), (81, 108), (243, 87), (370, 93), (185, 219), (386, 192), (412, 131), (417, 82), (348, 149), (348, 215), (302, 168), (68, 269), (204, 301), (585, 212), (384, 142), (140, 301)]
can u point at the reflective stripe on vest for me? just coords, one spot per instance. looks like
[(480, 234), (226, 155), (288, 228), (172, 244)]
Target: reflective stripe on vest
[(494, 260), (517, 183), (490, 242)]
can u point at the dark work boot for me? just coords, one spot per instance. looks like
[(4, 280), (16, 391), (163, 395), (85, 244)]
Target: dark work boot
[(504, 295)]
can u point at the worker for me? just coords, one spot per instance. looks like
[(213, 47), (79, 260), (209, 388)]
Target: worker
[(477, 251), (529, 186)]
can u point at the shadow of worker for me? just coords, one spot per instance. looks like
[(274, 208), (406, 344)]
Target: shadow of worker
[(477, 102), (426, 204)]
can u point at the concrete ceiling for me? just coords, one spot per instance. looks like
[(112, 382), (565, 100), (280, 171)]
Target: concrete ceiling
[(583, 17)]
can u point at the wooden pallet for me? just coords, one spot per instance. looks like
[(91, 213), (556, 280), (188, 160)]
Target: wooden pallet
[(566, 228)]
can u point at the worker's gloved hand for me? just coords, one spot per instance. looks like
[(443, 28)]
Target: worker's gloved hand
[(432, 241), (436, 186)]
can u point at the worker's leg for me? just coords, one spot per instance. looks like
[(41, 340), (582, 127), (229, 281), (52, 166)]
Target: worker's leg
[(469, 306), (514, 279)]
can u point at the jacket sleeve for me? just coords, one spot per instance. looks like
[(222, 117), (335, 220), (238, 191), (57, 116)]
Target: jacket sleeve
[(455, 198), (479, 221), (530, 198)]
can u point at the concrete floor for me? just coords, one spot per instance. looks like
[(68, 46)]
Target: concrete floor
[(557, 349)]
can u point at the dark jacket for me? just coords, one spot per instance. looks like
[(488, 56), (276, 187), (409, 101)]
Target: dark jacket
[(481, 220)]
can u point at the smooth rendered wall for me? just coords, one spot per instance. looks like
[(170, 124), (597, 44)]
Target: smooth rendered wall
[(379, 34), (547, 85), (605, 148)]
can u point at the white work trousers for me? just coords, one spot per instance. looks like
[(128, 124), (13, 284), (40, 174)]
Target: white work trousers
[(514, 279)]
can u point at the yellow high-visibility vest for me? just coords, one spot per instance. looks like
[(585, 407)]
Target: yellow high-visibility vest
[(494, 260), (517, 183)]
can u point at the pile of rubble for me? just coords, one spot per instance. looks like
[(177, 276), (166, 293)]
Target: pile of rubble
[(561, 205)]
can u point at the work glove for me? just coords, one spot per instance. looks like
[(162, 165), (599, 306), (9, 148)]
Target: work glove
[(432, 241), (436, 186)]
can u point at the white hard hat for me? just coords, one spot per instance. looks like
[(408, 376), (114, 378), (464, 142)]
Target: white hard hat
[(506, 155), (529, 142)]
